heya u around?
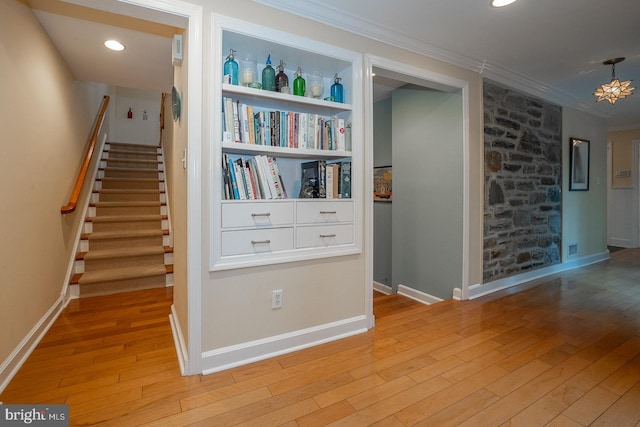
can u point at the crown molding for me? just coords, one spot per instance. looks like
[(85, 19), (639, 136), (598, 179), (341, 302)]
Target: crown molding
[(316, 11)]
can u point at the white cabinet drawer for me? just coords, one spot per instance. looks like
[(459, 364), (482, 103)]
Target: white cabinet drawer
[(241, 242), (257, 214), (318, 236), (324, 212)]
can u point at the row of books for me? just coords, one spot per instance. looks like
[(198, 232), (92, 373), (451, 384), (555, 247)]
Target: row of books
[(249, 179), (246, 124), (322, 180)]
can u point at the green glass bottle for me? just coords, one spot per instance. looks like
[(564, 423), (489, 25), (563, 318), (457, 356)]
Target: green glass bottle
[(299, 84), (269, 76)]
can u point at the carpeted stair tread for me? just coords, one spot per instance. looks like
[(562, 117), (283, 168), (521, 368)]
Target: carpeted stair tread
[(129, 191), (123, 273), (122, 252), (119, 253), (131, 170), (125, 218), (126, 204), (123, 234)]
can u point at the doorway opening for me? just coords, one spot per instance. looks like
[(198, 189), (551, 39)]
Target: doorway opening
[(419, 138)]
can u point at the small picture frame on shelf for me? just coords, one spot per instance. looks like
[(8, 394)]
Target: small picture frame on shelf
[(579, 164), (382, 181)]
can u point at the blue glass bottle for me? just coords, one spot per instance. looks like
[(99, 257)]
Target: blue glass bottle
[(231, 69), (337, 91), (269, 76)]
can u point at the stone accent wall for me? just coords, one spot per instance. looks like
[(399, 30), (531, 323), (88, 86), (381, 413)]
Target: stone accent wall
[(523, 170)]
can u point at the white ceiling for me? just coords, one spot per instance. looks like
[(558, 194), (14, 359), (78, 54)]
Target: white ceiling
[(549, 48)]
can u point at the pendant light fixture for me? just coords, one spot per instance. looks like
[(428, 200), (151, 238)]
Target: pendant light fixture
[(615, 89)]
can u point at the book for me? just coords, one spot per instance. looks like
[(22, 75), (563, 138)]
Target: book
[(333, 180), (236, 122), (344, 188), (233, 179), (313, 181)]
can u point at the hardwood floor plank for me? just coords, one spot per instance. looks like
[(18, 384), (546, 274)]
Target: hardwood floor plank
[(590, 406), (562, 351), (623, 412)]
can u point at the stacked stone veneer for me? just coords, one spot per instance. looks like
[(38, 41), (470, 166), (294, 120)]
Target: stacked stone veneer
[(523, 166)]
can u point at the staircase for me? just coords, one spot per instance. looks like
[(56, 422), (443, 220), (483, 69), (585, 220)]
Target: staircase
[(125, 243)]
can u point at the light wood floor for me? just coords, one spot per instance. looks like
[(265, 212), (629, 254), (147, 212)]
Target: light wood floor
[(565, 352)]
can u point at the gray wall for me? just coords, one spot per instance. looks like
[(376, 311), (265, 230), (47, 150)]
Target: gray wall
[(382, 218), (523, 178), (428, 190)]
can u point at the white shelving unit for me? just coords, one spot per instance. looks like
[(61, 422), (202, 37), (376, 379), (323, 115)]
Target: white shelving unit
[(247, 233)]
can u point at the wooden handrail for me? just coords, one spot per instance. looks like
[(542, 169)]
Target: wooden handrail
[(88, 155)]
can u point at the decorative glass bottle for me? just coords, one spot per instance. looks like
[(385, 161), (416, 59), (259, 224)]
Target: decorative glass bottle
[(337, 91), (299, 84), (282, 81), (248, 68), (231, 69), (268, 76), (316, 85)]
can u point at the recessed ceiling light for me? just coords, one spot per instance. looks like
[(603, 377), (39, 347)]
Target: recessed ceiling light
[(114, 45), (501, 3)]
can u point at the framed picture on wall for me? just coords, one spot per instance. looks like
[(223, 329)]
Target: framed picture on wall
[(382, 180), (579, 164)]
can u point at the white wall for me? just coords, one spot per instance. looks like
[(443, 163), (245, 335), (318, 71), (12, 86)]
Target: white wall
[(584, 213), (144, 126), (428, 190)]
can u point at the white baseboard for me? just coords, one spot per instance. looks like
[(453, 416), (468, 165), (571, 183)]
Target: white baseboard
[(178, 340), (479, 290), (377, 286), (620, 243), (253, 351), (10, 366), (418, 295)]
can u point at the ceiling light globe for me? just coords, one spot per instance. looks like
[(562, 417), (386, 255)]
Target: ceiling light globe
[(114, 45), (501, 3)]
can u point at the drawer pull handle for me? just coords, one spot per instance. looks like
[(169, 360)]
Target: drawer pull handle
[(261, 214), (327, 235), (328, 212), (260, 242)]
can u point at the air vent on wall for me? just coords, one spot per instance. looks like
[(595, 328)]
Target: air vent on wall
[(573, 249)]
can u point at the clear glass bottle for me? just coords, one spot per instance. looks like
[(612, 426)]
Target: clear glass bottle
[(268, 76), (231, 69), (248, 68), (299, 84), (316, 85), (282, 81), (337, 91)]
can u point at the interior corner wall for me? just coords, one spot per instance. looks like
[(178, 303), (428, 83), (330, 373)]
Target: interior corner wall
[(584, 213), (45, 128), (427, 228), (523, 177), (382, 218)]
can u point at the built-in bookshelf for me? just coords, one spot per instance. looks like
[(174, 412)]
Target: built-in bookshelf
[(286, 168)]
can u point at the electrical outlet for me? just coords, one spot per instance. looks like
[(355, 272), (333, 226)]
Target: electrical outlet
[(276, 298)]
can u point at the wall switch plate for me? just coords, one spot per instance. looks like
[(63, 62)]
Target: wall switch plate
[(276, 298)]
